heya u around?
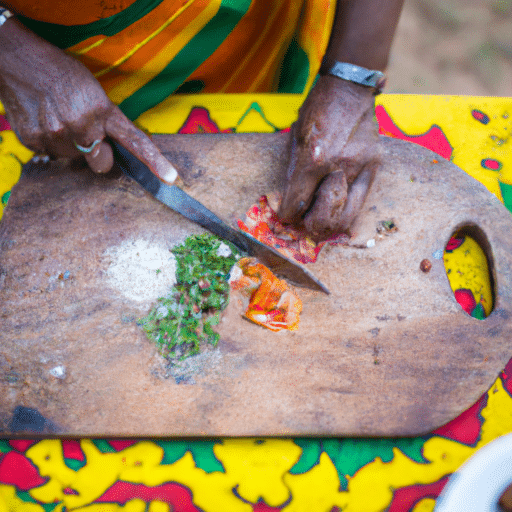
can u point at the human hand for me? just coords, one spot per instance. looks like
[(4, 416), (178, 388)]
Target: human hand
[(54, 103), (334, 156)]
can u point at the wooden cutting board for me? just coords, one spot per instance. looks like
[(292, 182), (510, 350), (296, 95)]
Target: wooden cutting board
[(388, 353)]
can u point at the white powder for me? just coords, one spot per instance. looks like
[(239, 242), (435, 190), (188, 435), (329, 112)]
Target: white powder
[(140, 270)]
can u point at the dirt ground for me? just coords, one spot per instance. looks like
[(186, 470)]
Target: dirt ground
[(453, 47)]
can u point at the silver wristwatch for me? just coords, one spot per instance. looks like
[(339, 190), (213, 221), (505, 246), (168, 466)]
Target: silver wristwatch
[(4, 15), (358, 75)]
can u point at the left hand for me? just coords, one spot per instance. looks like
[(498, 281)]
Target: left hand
[(55, 105), (334, 156)]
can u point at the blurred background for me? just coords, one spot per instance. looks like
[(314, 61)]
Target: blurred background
[(453, 47)]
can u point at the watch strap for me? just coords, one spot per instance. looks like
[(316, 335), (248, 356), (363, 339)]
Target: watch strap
[(358, 75)]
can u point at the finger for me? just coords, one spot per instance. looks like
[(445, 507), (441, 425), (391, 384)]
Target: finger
[(83, 141), (305, 171), (101, 158), (356, 195), (324, 217), (335, 208), (121, 129)]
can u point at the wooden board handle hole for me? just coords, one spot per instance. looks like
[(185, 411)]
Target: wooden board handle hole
[(469, 265)]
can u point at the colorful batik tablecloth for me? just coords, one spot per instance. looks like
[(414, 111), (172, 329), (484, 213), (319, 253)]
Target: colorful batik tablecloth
[(264, 475)]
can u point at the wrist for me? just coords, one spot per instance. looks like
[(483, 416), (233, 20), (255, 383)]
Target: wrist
[(359, 75), (335, 94)]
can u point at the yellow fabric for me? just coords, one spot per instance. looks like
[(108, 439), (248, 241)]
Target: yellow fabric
[(246, 112), (467, 269), (12, 156), (472, 141)]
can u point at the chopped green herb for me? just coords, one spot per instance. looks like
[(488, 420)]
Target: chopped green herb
[(184, 319)]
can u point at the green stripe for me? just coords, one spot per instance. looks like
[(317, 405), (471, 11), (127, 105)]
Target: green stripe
[(506, 192), (202, 46), (65, 36), (294, 69)]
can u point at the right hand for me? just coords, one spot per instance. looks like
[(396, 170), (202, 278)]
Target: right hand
[(335, 153), (53, 102)]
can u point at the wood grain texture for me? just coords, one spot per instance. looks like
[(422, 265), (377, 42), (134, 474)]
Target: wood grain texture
[(388, 353)]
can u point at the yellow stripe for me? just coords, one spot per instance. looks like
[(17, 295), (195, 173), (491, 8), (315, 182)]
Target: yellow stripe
[(90, 47), (145, 41), (84, 46), (154, 66)]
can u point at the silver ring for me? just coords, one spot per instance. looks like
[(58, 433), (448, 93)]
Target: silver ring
[(90, 148)]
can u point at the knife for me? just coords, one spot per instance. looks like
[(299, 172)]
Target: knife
[(179, 201)]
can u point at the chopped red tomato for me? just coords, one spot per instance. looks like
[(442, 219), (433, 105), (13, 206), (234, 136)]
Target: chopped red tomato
[(263, 224)]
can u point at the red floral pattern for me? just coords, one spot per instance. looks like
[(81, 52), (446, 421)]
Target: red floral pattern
[(434, 139)]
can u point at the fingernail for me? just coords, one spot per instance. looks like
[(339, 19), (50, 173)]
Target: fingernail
[(169, 175)]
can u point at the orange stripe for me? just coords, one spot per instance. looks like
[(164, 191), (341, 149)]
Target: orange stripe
[(145, 54), (128, 84), (261, 57), (233, 61), (117, 46), (260, 66), (147, 39), (64, 12), (223, 63)]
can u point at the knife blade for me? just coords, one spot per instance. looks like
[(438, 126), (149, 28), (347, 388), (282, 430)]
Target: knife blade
[(179, 201)]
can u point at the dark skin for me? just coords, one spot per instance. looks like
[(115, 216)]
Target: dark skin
[(52, 101), (335, 150)]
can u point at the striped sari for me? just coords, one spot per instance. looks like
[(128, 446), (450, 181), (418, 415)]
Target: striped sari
[(142, 51)]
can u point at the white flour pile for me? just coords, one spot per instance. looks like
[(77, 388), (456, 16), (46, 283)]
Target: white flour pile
[(140, 270)]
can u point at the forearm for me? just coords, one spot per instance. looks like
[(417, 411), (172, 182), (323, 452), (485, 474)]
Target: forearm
[(6, 21), (15, 39), (33, 73), (362, 33), (25, 59)]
